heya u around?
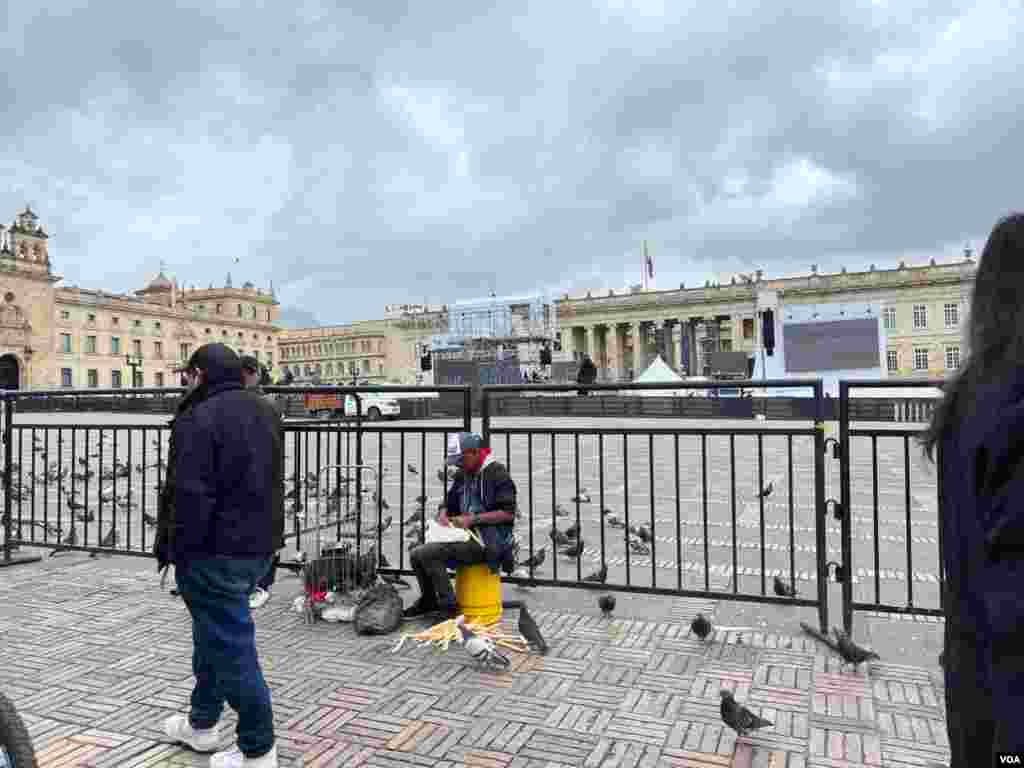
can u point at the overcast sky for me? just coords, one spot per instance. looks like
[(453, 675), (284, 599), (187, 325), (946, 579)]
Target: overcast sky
[(405, 152)]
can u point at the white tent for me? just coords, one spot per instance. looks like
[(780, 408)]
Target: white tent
[(658, 372)]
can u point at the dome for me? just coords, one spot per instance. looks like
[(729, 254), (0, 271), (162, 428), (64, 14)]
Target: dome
[(160, 283)]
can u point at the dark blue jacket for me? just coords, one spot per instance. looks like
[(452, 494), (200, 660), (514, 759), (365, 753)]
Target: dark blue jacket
[(228, 479), (982, 489), (497, 492)]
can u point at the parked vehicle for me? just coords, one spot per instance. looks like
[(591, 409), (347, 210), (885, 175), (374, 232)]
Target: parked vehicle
[(330, 405)]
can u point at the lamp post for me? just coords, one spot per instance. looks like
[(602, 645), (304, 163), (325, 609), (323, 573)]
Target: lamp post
[(134, 362)]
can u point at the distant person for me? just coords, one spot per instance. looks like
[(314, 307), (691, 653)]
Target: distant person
[(587, 373), (482, 496), (228, 490), (978, 429), (255, 376)]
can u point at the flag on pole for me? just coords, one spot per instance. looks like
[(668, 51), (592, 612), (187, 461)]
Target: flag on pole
[(646, 267)]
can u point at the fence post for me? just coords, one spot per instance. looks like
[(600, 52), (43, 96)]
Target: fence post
[(844, 499), (467, 409), (359, 473), (8, 523), (8, 443), (485, 417), (821, 509)]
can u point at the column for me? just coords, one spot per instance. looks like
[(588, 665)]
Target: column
[(691, 332), (613, 351), (588, 342), (636, 358)]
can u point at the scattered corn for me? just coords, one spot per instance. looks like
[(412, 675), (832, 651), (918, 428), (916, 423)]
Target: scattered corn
[(442, 635)]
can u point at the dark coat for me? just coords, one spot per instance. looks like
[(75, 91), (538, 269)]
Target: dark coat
[(228, 476), (163, 543), (587, 373), (982, 461), (497, 492)]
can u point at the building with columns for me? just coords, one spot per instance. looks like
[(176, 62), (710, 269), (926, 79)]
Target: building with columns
[(922, 307), (54, 336)]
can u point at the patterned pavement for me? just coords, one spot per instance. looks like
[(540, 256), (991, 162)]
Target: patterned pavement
[(95, 656)]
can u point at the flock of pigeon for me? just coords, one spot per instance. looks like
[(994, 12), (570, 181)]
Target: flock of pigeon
[(69, 482)]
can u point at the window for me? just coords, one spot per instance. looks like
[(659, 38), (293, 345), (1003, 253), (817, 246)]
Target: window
[(137, 347), (65, 315), (65, 342), (380, 369), (90, 345), (270, 359), (366, 367), (158, 350), (185, 353), (920, 316), (157, 325), (219, 308), (207, 331), (330, 369), (892, 361), (115, 345), (268, 315), (137, 323), (889, 318), (951, 314), (920, 359), (748, 328), (65, 377), (952, 358), (158, 378), (239, 310), (115, 379), (92, 377), (115, 321), (91, 317)]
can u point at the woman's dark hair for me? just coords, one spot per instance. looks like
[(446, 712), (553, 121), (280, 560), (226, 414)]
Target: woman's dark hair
[(995, 327)]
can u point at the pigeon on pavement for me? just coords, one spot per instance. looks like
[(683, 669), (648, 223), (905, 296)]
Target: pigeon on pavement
[(701, 626), (738, 717), (607, 604), (782, 589), (599, 575), (850, 651), (536, 561), (528, 629)]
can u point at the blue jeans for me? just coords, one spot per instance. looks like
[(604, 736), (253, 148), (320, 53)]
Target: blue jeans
[(224, 659)]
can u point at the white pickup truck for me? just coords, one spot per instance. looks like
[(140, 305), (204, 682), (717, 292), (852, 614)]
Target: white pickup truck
[(374, 407)]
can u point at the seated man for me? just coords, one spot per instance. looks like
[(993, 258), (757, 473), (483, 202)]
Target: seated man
[(483, 497)]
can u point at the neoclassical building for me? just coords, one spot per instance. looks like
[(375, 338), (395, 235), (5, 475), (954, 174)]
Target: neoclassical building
[(53, 336), (922, 312)]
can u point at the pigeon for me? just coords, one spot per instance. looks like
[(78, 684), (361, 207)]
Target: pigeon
[(782, 589), (536, 560), (599, 575), (581, 499), (421, 500), (767, 490), (149, 520), (606, 512), (638, 547), (850, 651), (561, 511), (441, 476), (412, 469), (607, 604), (573, 531), (575, 550), (528, 629), (479, 648), (383, 502), (614, 521), (701, 626), (738, 717), (642, 532), (557, 537)]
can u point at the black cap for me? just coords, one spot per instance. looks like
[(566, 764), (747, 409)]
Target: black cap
[(219, 362), (250, 363)]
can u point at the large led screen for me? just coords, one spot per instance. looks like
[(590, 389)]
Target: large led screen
[(836, 345)]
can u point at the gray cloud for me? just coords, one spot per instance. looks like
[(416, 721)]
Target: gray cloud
[(416, 152)]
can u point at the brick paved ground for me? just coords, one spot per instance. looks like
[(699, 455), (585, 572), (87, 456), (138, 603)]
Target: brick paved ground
[(96, 656)]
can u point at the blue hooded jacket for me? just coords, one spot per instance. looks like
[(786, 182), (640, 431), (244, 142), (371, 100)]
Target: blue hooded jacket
[(497, 492)]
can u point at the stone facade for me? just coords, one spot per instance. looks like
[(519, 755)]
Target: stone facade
[(53, 337), (623, 331), (375, 351)]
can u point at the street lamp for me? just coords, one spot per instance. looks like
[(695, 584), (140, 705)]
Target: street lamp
[(134, 362)]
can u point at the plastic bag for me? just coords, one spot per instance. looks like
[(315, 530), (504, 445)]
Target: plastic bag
[(444, 534), (379, 612)]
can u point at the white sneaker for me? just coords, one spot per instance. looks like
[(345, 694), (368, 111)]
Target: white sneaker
[(177, 728), (233, 758), (259, 597)]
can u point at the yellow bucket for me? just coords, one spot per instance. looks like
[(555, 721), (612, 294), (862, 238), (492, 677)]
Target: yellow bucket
[(478, 592)]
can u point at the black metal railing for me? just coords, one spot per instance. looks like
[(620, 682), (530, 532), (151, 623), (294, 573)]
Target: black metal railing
[(649, 475), (901, 557)]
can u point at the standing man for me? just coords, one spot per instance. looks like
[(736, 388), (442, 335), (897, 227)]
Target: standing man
[(227, 492), (253, 377), (482, 496)]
